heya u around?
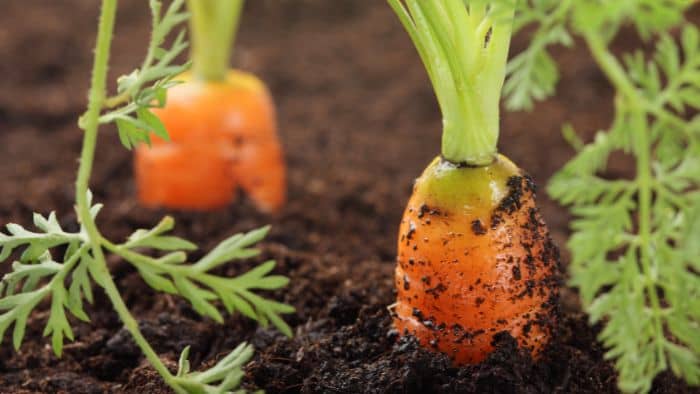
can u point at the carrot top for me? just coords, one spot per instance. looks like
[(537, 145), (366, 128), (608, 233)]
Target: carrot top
[(464, 46), (213, 27)]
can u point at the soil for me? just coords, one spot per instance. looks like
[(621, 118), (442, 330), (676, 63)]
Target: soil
[(359, 123)]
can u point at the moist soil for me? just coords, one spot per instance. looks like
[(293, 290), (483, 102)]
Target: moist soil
[(359, 123)]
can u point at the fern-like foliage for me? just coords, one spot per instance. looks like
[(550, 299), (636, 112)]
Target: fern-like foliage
[(648, 16), (228, 373), (172, 274), (635, 242), (67, 282), (533, 74), (147, 87), (36, 276)]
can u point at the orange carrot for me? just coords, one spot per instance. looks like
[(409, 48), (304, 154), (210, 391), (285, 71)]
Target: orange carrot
[(474, 255), (222, 127), (473, 262)]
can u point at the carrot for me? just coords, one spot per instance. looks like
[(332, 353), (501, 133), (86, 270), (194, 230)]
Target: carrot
[(474, 255), (222, 127)]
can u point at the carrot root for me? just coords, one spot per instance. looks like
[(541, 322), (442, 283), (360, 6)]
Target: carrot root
[(474, 261), (223, 139)]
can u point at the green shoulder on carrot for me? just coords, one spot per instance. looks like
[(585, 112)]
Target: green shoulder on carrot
[(222, 127), (474, 255)]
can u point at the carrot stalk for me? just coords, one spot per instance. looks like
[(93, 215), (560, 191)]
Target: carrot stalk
[(474, 255), (214, 24)]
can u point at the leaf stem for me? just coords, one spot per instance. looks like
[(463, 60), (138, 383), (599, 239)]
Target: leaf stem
[(645, 182), (90, 123), (132, 326), (617, 75), (90, 127), (67, 267), (213, 27), (611, 67), (639, 109)]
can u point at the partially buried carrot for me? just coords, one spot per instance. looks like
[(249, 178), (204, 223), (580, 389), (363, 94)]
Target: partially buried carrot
[(222, 127), (474, 255)]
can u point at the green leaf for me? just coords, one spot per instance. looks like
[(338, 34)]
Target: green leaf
[(198, 298), (36, 244), (154, 239), (160, 53), (233, 303), (146, 87), (168, 243), (129, 134), (79, 288), (157, 281), (125, 82), (161, 96), (228, 372), (236, 247), (81, 279), (20, 328), (57, 325), (684, 363), (183, 365), (569, 134), (532, 75), (634, 239), (48, 224), (194, 282), (98, 272), (154, 123), (30, 273)]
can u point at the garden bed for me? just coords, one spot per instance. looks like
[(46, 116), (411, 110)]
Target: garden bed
[(359, 122)]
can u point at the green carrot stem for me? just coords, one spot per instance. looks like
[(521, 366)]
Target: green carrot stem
[(464, 47), (90, 125), (616, 74), (213, 27)]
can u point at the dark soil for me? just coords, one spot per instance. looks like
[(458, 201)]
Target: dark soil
[(359, 123)]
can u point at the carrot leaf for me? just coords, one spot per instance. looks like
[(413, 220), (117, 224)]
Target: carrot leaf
[(146, 88), (634, 242), (228, 372), (195, 282)]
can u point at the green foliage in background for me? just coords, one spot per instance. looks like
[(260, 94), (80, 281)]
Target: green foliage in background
[(636, 242)]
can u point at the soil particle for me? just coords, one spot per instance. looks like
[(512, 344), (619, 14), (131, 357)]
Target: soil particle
[(496, 221), (437, 290), (513, 201), (411, 231), (423, 209), (478, 228), (516, 272)]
